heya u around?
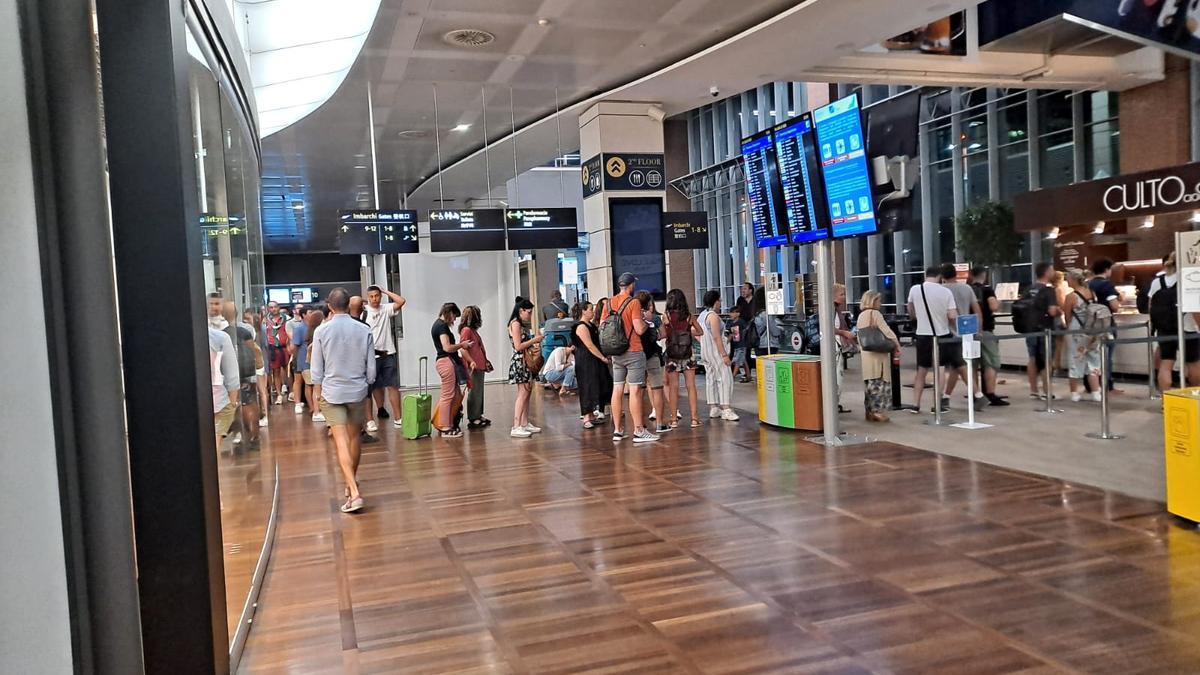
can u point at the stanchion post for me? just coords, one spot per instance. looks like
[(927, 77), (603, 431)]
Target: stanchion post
[(937, 382), (1048, 376), (1105, 354), (1151, 371)]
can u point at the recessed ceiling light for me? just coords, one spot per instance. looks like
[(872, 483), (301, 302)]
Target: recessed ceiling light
[(461, 127), (543, 21)]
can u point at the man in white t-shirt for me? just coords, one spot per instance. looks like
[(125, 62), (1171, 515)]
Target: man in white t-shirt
[(932, 305), (380, 317), (1169, 350)]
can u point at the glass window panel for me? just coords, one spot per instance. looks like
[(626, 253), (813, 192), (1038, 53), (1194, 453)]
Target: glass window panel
[(975, 131), (976, 178), (1099, 106), (1014, 170), (1054, 112), (1057, 159), (1013, 120), (942, 192), (943, 143), (1102, 150)]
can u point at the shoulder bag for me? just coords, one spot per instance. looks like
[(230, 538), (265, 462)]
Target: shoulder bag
[(872, 339)]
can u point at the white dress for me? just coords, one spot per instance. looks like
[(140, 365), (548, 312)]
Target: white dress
[(718, 377)]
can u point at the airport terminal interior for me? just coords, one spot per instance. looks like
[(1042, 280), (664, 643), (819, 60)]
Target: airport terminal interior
[(557, 336)]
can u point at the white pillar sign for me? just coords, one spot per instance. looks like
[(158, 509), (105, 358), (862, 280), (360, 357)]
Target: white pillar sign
[(1187, 257)]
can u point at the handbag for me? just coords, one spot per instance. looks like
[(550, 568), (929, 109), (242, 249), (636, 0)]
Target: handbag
[(532, 356)]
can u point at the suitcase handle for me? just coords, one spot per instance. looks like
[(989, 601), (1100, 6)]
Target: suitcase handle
[(423, 376)]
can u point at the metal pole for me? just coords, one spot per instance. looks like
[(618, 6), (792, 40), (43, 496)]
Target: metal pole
[(1181, 350), (1105, 355), (937, 382), (1151, 371), (1048, 376), (829, 403)]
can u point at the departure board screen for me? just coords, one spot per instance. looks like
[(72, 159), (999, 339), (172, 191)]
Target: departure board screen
[(847, 178), (466, 230), (542, 228), (800, 175), (768, 214)]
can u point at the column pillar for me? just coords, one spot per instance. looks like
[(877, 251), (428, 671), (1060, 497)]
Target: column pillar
[(619, 128)]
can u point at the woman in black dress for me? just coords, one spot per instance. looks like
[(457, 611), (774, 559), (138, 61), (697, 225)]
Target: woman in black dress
[(591, 366)]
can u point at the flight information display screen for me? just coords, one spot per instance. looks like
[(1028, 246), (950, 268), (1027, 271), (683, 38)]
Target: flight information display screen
[(542, 228), (800, 176), (847, 177), (466, 230), (366, 231), (768, 214)]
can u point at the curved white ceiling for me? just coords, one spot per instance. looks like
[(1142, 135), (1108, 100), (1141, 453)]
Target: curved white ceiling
[(299, 52)]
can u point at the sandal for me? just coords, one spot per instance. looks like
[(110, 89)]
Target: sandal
[(589, 425), (695, 423), (352, 505), (476, 424), (450, 433)]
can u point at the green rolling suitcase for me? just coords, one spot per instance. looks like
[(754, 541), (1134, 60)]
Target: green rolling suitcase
[(418, 406)]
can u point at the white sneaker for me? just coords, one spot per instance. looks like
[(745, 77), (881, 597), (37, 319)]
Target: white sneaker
[(598, 415), (714, 412), (1076, 397), (263, 421), (237, 438), (532, 429), (644, 436), (397, 425), (318, 417), (278, 399), (299, 409), (1096, 396), (520, 432), (372, 427), (653, 414), (729, 416)]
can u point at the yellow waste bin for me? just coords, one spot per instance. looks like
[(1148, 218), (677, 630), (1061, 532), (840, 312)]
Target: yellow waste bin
[(1181, 434)]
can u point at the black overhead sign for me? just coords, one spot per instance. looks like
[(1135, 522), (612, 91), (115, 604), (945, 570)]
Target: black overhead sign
[(1131, 196), (684, 230), (362, 232), (466, 230), (592, 177), (634, 171), (542, 228)]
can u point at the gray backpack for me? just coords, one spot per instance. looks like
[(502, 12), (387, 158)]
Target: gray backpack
[(613, 338)]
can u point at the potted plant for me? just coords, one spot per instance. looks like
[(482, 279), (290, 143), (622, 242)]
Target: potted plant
[(987, 236)]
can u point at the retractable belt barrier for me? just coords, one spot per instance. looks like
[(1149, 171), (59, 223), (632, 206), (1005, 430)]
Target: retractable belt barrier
[(1107, 343)]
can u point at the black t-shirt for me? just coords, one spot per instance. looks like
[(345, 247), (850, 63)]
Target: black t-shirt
[(1045, 298), (983, 293), (1104, 289), (439, 329)]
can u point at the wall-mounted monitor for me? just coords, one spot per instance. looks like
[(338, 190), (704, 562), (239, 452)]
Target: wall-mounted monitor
[(372, 231), (768, 214), (301, 294), (637, 246), (800, 176), (542, 228), (466, 230), (847, 179), (279, 296)]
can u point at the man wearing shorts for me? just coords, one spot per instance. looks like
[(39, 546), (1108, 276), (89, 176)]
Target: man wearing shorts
[(381, 317), (989, 346), (343, 368), (1046, 302), (629, 368), (932, 304), (965, 303), (223, 368)]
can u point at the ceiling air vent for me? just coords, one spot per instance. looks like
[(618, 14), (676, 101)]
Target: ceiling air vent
[(468, 37)]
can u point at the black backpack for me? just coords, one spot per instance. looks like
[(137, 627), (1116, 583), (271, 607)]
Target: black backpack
[(679, 344), (614, 341), (1164, 308), (245, 353), (751, 337), (1026, 316)]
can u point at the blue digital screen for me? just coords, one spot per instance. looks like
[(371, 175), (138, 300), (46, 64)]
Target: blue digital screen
[(847, 177), (799, 174), (768, 215)]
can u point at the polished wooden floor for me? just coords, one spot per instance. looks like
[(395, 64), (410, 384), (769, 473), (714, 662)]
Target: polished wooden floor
[(729, 549)]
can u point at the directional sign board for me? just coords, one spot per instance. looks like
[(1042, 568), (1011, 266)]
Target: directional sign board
[(542, 228), (685, 230), (466, 230), (372, 232)]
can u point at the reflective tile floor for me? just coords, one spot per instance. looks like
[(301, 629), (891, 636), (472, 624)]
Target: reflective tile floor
[(733, 548)]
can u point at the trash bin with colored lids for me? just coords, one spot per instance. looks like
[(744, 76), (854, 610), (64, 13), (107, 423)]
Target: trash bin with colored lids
[(789, 391)]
